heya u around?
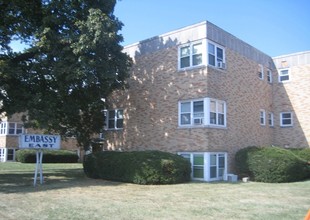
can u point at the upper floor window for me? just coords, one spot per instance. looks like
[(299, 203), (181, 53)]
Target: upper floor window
[(216, 56), (270, 119), (286, 119), (11, 128), (284, 75), (262, 117), (191, 55), (269, 76), (202, 112), (114, 119), (261, 72)]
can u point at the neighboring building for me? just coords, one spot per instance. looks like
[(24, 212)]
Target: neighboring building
[(204, 94), (11, 128)]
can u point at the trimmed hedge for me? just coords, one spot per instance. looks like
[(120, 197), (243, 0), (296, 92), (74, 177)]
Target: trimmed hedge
[(273, 164), (49, 156), (140, 167)]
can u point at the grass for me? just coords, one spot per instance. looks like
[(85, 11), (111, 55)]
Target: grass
[(68, 194)]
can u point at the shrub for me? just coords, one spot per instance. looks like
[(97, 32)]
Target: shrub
[(49, 156), (271, 164), (141, 167)]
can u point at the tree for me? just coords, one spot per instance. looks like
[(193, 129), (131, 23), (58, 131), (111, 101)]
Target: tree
[(74, 60)]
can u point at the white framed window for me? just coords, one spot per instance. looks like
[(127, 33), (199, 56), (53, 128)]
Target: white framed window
[(284, 75), (11, 128), (207, 166), (191, 55), (216, 55), (269, 76), (262, 117), (202, 112), (270, 119), (114, 119), (261, 72), (286, 119), (7, 154)]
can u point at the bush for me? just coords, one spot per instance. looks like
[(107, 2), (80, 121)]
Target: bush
[(272, 164), (140, 167), (49, 156)]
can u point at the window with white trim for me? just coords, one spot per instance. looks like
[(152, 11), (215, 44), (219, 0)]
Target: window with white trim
[(286, 119), (207, 166), (262, 117), (11, 128), (270, 119), (216, 55), (269, 76), (114, 119), (202, 112), (284, 75), (191, 55), (261, 72)]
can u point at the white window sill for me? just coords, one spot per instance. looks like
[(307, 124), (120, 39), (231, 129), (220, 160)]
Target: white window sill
[(201, 126)]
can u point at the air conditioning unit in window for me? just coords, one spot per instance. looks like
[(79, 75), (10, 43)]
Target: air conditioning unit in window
[(221, 65), (198, 121)]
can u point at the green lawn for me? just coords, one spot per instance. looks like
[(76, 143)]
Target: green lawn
[(68, 194)]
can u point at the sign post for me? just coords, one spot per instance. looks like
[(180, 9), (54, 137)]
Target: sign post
[(39, 142)]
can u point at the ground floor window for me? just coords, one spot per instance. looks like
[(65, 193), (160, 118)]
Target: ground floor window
[(207, 166), (7, 154)]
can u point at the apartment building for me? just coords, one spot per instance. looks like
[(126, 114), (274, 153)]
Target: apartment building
[(204, 94)]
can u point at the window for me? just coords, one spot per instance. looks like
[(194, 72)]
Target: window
[(270, 119), (216, 56), (114, 119), (269, 76), (191, 55), (206, 165), (262, 117), (284, 75), (198, 166), (286, 119), (7, 154), (261, 72), (11, 128), (202, 112)]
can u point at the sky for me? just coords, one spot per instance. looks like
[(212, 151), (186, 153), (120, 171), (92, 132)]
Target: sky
[(275, 27)]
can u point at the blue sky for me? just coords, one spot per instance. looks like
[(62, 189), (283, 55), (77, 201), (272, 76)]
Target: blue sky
[(276, 27)]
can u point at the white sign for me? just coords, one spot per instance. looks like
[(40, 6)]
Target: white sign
[(39, 141)]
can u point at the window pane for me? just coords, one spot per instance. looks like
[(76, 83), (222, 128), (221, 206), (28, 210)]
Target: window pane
[(212, 118), (211, 49), (112, 114), (197, 48), (220, 107), (198, 159), (11, 128), (211, 60), (213, 106), (197, 172), (10, 155), (221, 161), (197, 60), (221, 119), (186, 107), (213, 172), (219, 53), (198, 106), (119, 114), (186, 119), (119, 123), (286, 121), (185, 51), (286, 115), (111, 124), (19, 128), (185, 62), (213, 159), (284, 78)]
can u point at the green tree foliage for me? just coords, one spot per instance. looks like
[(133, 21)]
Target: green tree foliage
[(74, 60)]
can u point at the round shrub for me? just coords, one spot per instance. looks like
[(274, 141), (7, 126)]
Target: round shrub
[(49, 156), (271, 164), (140, 167)]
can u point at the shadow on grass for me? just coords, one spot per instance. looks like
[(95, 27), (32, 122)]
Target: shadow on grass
[(19, 182)]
